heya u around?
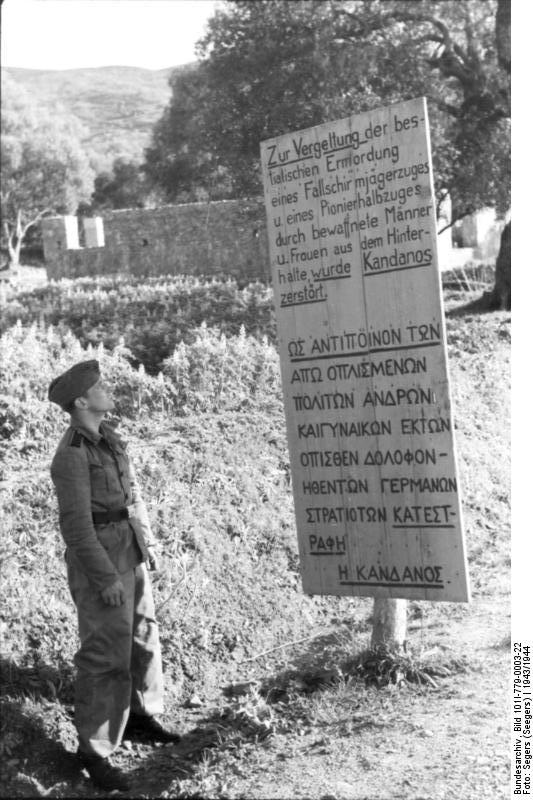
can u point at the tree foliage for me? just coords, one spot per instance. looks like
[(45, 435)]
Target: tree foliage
[(123, 187), (271, 66), (179, 161), (43, 168)]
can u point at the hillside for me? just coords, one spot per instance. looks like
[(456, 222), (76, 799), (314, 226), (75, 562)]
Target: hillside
[(117, 106)]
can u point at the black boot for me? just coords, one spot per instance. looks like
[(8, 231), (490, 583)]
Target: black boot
[(103, 774), (149, 729)]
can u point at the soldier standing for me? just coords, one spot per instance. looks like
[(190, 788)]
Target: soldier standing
[(105, 525)]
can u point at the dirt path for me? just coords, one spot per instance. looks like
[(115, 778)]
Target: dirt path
[(409, 744), (428, 743), (449, 742)]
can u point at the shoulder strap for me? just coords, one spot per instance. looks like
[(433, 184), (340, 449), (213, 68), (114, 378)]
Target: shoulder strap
[(76, 439)]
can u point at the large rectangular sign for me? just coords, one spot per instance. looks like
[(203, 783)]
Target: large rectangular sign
[(353, 252)]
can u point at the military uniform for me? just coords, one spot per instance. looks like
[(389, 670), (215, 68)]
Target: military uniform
[(105, 525)]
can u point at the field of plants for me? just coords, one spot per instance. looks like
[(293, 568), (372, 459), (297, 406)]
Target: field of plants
[(264, 679), (150, 315)]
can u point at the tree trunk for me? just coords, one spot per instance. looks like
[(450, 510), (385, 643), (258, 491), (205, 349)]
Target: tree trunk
[(15, 236), (500, 297), (14, 242), (389, 623), (14, 253), (503, 34)]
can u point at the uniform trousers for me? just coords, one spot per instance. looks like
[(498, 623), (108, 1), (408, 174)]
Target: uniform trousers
[(118, 663)]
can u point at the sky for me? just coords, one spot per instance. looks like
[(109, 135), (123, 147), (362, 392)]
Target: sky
[(67, 34)]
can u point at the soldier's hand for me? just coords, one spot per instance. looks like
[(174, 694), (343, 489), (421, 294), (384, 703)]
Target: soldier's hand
[(113, 595), (153, 560)]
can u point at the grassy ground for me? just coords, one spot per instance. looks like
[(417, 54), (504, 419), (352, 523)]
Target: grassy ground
[(270, 685)]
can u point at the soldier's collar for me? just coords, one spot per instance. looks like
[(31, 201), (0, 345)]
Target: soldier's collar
[(89, 435), (106, 432)]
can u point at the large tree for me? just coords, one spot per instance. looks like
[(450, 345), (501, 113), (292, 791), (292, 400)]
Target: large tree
[(269, 66), (462, 54), (180, 161), (43, 168)]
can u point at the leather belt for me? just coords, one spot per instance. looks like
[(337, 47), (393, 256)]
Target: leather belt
[(113, 515)]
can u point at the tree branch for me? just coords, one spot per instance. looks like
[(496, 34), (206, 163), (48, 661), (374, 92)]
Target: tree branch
[(399, 16), (449, 109), (453, 61), (503, 34), (34, 221), (429, 37), (456, 219)]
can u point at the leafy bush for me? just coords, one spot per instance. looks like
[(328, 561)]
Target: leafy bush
[(214, 373), (151, 315), (207, 439)]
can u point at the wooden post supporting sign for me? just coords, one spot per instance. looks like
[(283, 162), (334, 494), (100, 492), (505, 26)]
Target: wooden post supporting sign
[(353, 253)]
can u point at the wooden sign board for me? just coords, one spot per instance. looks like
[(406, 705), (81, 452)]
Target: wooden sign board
[(353, 252)]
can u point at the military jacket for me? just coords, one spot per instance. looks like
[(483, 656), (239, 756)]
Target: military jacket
[(94, 473)]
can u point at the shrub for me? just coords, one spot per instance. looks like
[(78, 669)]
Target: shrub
[(214, 373), (151, 316)]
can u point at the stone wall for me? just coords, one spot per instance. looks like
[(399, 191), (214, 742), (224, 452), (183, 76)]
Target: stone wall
[(222, 237), (226, 236)]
